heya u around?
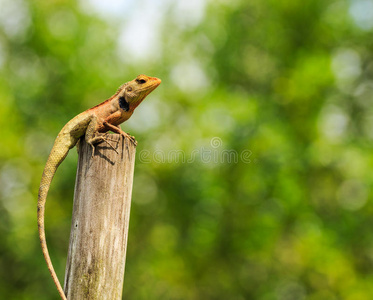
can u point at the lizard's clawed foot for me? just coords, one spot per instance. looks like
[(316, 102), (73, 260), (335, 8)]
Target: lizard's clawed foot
[(99, 139), (106, 139), (117, 129), (130, 137)]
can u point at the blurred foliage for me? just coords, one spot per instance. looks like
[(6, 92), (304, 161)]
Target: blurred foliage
[(253, 174)]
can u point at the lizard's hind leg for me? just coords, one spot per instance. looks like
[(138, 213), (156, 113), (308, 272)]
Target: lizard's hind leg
[(92, 137)]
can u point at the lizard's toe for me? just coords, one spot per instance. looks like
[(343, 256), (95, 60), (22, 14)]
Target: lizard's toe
[(132, 139)]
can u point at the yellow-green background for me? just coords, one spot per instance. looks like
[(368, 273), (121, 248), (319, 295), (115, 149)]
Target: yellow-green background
[(289, 82)]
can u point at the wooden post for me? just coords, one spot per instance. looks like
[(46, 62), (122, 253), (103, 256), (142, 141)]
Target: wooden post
[(99, 228)]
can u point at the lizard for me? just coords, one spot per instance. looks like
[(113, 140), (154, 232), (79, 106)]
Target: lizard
[(94, 125)]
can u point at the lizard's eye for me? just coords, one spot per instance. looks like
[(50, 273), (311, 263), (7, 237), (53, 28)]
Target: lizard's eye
[(140, 81), (129, 89)]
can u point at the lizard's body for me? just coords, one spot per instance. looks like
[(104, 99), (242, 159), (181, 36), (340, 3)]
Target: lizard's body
[(99, 119)]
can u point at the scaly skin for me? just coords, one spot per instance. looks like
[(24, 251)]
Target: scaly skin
[(99, 119)]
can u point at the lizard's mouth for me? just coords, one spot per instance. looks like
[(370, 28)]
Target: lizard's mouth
[(154, 83)]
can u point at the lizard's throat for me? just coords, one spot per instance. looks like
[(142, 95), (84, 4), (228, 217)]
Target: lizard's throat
[(133, 103), (136, 102)]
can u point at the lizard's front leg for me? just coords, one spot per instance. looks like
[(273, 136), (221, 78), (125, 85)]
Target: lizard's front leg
[(118, 130)]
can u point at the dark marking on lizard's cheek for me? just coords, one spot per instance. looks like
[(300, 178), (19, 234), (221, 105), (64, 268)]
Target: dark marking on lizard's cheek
[(123, 104)]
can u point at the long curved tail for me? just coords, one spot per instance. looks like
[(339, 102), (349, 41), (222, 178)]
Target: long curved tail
[(57, 155)]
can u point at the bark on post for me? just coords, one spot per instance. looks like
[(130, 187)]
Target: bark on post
[(99, 228)]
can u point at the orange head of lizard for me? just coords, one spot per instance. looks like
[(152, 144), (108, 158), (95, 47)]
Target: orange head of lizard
[(135, 91)]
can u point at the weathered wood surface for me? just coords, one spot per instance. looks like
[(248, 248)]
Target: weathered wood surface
[(100, 220)]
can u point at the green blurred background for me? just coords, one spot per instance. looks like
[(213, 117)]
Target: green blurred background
[(253, 173)]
